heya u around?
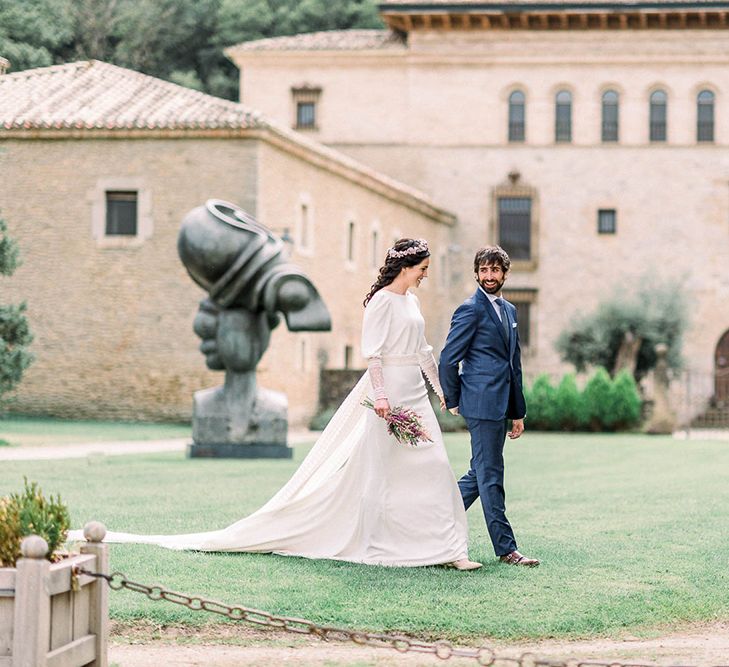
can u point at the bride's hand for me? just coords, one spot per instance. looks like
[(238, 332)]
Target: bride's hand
[(442, 403), (382, 407)]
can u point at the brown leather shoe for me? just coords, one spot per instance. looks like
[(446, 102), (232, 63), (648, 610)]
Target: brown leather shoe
[(515, 558)]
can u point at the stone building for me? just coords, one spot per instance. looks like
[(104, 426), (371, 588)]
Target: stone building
[(588, 138), (99, 164)]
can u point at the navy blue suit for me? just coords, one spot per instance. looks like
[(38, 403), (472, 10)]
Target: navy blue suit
[(488, 391)]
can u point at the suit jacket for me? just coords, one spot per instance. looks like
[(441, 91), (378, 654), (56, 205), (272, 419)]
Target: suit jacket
[(489, 385)]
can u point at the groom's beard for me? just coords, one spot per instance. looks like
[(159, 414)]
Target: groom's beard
[(492, 289)]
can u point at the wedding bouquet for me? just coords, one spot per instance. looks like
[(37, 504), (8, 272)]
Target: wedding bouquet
[(404, 424)]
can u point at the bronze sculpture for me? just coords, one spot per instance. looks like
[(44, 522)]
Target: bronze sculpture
[(250, 286)]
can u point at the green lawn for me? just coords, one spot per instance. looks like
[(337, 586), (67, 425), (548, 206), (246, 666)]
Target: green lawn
[(36, 431), (632, 532)]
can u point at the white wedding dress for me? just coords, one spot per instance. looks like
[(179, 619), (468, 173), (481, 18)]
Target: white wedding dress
[(359, 495)]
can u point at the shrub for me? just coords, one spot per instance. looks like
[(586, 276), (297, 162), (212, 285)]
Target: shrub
[(625, 402), (541, 405), (597, 398), (569, 405), (31, 513)]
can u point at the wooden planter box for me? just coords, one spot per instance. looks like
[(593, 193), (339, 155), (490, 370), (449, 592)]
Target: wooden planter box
[(46, 618)]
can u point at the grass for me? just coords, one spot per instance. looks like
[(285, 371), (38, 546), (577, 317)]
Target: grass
[(38, 431), (631, 530)]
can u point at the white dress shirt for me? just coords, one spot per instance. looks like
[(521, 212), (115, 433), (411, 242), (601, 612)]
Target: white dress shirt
[(492, 298)]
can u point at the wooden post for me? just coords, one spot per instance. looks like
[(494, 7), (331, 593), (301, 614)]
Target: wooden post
[(94, 533), (32, 616)]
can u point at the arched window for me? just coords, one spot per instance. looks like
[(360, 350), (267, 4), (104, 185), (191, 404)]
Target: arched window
[(517, 106), (658, 106), (563, 116), (610, 115), (705, 116)]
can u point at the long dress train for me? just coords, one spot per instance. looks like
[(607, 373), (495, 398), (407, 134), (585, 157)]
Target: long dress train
[(359, 495)]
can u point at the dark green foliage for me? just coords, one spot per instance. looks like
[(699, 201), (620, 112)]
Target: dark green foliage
[(603, 405), (15, 336), (655, 314), (596, 398), (541, 405), (33, 32), (569, 406), (178, 40), (625, 401), (31, 513)]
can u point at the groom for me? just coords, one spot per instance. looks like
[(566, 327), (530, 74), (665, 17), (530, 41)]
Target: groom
[(483, 338)]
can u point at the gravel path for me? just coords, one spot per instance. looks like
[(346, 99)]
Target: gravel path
[(117, 448), (703, 646)]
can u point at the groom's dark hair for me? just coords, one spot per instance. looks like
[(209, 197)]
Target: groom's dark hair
[(491, 254)]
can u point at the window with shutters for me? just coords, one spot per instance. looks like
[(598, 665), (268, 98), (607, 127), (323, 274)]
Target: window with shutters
[(610, 109), (607, 221), (517, 116), (515, 222), (121, 213), (563, 117), (705, 116), (515, 226), (658, 116), (306, 106)]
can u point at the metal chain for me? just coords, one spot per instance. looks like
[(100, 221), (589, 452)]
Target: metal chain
[(441, 649)]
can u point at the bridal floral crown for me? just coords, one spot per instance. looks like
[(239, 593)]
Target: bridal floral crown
[(421, 245)]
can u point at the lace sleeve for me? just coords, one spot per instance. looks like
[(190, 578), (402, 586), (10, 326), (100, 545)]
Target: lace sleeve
[(430, 369), (377, 377)]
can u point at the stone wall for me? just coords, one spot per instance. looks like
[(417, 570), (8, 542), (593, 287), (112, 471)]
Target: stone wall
[(435, 115), (113, 319)]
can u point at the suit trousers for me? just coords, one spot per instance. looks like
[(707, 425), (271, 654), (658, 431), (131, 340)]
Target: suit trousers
[(485, 479)]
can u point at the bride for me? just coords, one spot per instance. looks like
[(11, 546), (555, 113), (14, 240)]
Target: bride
[(360, 495)]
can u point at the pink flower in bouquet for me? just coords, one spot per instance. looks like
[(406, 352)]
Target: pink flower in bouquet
[(404, 424)]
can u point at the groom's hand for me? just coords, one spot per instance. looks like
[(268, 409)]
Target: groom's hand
[(517, 428), (454, 411)]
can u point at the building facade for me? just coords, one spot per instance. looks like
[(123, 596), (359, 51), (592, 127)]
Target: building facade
[(98, 166), (589, 139)]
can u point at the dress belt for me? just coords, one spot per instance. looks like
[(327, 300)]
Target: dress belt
[(401, 360)]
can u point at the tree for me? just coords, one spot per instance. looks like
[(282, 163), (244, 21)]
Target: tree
[(34, 31), (15, 336), (654, 314), (177, 40)]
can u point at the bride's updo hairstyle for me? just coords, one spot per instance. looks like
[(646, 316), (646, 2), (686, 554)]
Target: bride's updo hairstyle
[(405, 252)]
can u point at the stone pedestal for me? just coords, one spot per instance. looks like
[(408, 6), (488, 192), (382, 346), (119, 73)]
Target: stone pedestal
[(227, 425)]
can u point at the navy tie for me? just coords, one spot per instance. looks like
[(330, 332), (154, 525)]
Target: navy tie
[(504, 319)]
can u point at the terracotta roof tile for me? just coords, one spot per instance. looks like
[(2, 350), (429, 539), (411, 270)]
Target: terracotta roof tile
[(328, 40), (92, 95), (95, 95)]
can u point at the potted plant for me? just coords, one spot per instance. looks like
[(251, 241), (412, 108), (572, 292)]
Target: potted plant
[(49, 612)]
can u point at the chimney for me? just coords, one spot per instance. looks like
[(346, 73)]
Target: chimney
[(4, 64)]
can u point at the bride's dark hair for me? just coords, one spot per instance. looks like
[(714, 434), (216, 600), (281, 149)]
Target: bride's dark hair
[(405, 252)]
